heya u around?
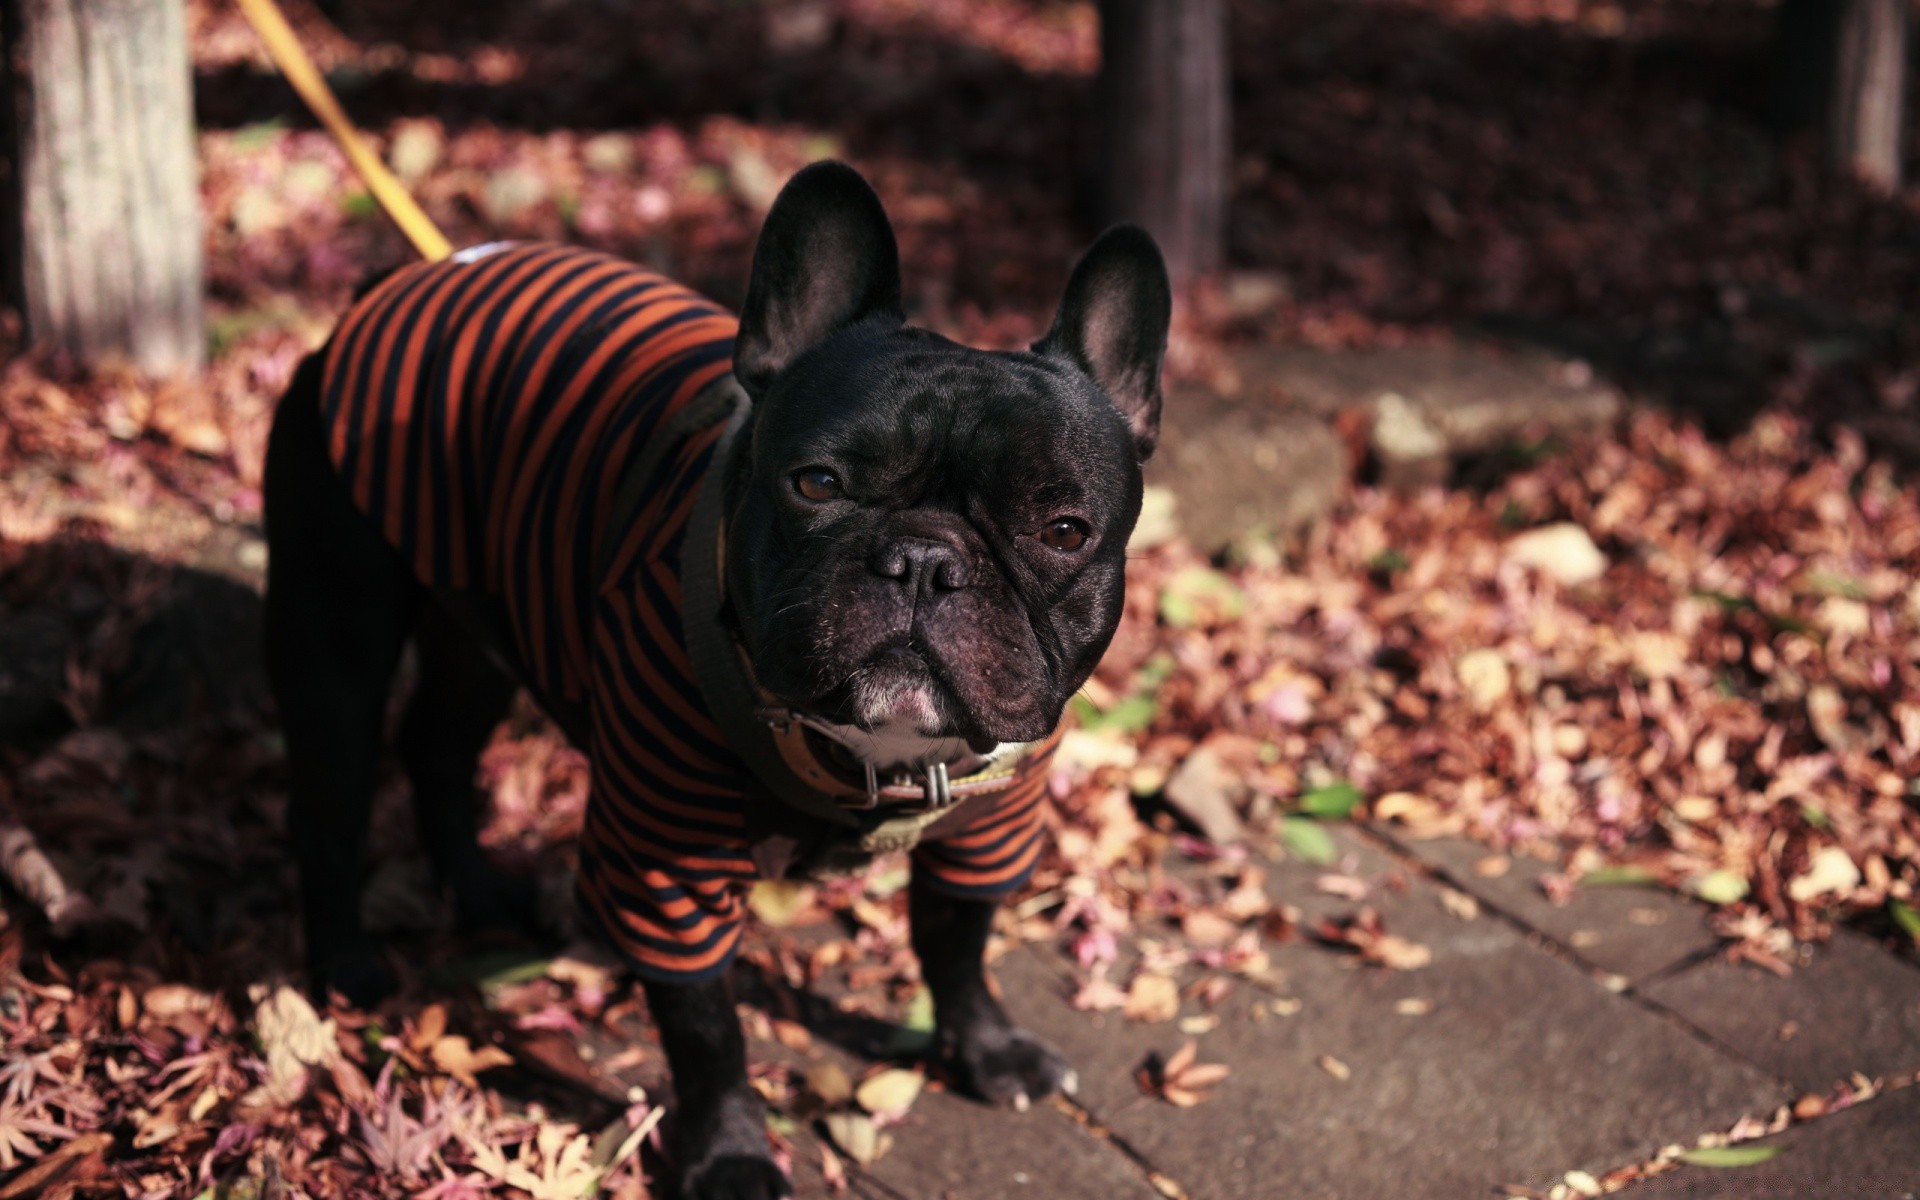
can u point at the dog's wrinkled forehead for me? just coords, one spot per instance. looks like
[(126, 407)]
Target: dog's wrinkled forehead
[(892, 400)]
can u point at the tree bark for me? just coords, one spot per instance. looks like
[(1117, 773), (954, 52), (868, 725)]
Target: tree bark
[(1165, 153), (1869, 85), (102, 208), (1839, 69)]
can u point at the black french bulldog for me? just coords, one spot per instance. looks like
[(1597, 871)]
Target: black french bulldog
[(924, 554)]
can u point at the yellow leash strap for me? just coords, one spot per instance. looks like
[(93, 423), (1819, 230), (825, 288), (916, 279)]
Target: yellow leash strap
[(306, 79)]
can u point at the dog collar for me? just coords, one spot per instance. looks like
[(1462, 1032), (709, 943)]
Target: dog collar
[(809, 747)]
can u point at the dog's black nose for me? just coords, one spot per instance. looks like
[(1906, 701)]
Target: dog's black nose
[(921, 563)]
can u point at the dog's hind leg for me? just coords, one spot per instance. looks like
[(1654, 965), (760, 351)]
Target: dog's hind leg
[(461, 697), (339, 604)]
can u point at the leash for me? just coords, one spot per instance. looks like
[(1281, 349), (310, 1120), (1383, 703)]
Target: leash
[(292, 59)]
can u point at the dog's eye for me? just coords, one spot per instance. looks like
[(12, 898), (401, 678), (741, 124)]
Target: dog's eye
[(818, 484), (1068, 533)]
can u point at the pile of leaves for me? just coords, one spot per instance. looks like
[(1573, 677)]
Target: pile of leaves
[(1651, 658)]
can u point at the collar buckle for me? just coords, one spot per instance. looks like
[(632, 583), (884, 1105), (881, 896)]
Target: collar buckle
[(933, 782)]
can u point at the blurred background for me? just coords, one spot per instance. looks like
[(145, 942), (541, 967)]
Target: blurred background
[(1541, 417)]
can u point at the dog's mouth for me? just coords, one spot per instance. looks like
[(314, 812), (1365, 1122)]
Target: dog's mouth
[(899, 693), (898, 687)]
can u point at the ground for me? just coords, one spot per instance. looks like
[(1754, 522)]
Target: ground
[(1501, 778)]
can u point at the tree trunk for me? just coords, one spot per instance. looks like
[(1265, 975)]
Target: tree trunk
[(1163, 103), (1839, 69), (102, 209), (1869, 84)]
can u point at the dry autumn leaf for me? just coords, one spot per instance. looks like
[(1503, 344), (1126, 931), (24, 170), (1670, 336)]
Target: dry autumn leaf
[(858, 1137), (1181, 1080), (1152, 998), (1366, 933), (890, 1093), (454, 1055), (292, 1038)]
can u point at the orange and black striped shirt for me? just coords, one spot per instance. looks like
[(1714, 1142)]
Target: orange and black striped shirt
[(481, 410)]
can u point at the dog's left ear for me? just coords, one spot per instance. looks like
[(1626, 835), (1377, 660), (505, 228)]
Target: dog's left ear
[(826, 260), (1113, 323)]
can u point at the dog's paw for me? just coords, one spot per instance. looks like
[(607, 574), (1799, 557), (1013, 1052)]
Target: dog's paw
[(726, 1154), (1008, 1066), (735, 1177)]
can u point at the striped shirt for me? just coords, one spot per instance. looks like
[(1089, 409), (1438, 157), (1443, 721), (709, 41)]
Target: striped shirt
[(480, 411)]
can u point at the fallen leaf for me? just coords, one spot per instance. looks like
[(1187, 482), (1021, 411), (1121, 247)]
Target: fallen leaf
[(1831, 870), (1208, 793), (1720, 887), (1308, 841), (292, 1038), (60, 1171), (1152, 997), (1331, 801), (890, 1093), (1906, 917), (1459, 905), (1730, 1156), (779, 903), (1366, 933), (1484, 675), (1563, 552), (430, 1028), (832, 1172), (454, 1055), (857, 1136), (1180, 1080), (1349, 887), (1204, 927), (828, 1080)]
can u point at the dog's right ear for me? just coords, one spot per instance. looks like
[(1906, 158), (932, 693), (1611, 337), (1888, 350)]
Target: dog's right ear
[(826, 260), (1113, 323)]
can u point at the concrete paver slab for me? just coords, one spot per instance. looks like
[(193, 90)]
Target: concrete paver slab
[(955, 1149), (1869, 1152), (1522, 1068), (1854, 1007), (1235, 467), (1634, 932)]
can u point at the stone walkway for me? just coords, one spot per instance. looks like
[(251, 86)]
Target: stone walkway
[(1539, 1041)]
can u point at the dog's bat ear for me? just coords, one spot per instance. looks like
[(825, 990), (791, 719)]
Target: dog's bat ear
[(826, 260), (1113, 324)]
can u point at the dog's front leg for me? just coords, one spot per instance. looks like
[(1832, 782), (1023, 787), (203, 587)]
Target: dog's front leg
[(722, 1141), (985, 1051)]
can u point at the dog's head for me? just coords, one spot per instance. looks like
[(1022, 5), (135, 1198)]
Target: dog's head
[(923, 536)]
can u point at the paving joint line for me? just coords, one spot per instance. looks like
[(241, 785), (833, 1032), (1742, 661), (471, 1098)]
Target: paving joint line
[(1658, 1164), (1099, 1131), (1556, 948), (1049, 961)]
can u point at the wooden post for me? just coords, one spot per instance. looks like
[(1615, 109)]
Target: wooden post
[(1869, 86), (1163, 97), (101, 211)]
